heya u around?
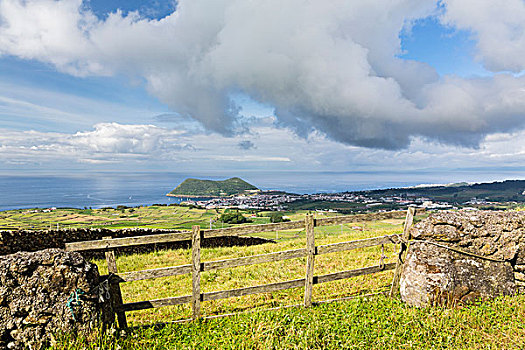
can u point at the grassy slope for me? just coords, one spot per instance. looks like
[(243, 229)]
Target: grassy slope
[(379, 323), (196, 187), (173, 217), (374, 323), (256, 274)]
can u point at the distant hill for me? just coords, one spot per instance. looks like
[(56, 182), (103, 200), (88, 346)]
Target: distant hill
[(210, 188), (504, 191)]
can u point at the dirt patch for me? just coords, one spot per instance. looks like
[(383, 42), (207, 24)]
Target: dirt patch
[(394, 221)]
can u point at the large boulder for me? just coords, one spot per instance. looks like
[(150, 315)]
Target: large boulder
[(46, 292), (464, 256)]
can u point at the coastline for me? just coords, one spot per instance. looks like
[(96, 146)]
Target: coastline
[(192, 196)]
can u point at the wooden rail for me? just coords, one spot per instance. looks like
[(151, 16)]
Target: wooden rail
[(265, 288), (230, 231), (196, 266)]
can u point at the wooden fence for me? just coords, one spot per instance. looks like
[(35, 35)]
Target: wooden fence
[(197, 266)]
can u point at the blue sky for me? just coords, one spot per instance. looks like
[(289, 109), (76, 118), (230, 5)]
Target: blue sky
[(448, 50), (167, 86)]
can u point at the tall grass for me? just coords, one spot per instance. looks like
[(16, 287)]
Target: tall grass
[(361, 323)]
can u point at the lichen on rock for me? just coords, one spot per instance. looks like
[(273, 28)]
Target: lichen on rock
[(464, 256), (34, 292)]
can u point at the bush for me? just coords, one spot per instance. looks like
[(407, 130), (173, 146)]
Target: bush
[(233, 218), (278, 217)]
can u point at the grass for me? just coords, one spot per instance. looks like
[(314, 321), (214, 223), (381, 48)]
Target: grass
[(246, 276), (378, 323), (161, 217), (170, 217), (362, 323)]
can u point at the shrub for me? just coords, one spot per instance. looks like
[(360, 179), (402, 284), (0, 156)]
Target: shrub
[(233, 218), (278, 217)]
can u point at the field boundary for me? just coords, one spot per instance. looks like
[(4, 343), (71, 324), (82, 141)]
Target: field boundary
[(310, 251)]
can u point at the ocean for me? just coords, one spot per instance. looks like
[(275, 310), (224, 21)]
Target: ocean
[(97, 190)]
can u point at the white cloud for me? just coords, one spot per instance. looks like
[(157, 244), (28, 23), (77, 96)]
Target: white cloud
[(497, 26), (325, 66), (141, 147)]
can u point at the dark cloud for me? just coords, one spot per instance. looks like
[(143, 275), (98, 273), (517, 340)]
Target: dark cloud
[(246, 145), (330, 66)]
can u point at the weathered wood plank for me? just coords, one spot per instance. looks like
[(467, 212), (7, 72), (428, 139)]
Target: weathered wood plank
[(250, 229), (394, 289), (265, 288), (361, 243), (155, 273), (114, 289), (310, 258), (212, 265), (338, 220), (255, 259), (142, 305), (128, 241), (230, 231), (196, 272), (353, 273)]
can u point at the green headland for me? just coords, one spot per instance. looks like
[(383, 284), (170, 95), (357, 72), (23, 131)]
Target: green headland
[(210, 188)]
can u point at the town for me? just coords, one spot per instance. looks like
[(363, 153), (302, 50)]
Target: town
[(287, 201)]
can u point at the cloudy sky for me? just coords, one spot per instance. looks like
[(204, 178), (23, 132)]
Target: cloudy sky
[(295, 85)]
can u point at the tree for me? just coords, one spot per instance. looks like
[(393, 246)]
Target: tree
[(233, 218), (278, 217)]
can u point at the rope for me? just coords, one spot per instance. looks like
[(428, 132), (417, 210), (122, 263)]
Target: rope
[(458, 250), (74, 302), (383, 256)]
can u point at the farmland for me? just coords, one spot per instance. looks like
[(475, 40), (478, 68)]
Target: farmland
[(156, 216), (364, 322), (372, 322)]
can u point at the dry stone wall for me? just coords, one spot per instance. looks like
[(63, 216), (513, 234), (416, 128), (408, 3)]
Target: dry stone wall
[(464, 256), (38, 300), (30, 241)]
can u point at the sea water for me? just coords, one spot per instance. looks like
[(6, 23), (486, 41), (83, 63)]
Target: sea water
[(97, 190)]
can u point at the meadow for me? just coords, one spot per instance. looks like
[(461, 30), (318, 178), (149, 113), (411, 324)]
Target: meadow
[(155, 216), (273, 320), (266, 321)]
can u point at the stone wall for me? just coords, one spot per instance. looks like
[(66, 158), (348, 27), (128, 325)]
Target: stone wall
[(464, 256), (29, 241), (34, 292)]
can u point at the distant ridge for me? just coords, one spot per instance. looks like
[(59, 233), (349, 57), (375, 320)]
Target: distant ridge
[(210, 188), (499, 191)]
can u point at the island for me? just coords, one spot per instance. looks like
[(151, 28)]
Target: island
[(210, 188)]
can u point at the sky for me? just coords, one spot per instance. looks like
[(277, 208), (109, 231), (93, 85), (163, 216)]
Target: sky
[(232, 85)]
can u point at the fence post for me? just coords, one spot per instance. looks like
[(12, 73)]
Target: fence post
[(403, 247), (309, 224), (114, 287), (196, 271)]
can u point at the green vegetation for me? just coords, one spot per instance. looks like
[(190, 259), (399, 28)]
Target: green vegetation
[(233, 218), (278, 217), (378, 323), (156, 216), (506, 191), (363, 323), (174, 216), (210, 188)]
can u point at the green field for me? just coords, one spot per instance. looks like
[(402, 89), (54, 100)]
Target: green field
[(165, 217), (257, 274), (378, 323), (362, 323)]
